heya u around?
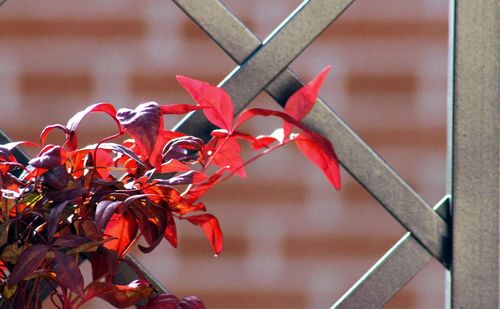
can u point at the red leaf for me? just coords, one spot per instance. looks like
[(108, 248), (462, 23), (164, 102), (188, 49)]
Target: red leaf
[(174, 166), (103, 107), (74, 121), (179, 108), (48, 129), (171, 230), (68, 273), (302, 101), (321, 153), (120, 296), (228, 154), (252, 112), (117, 148), (216, 103), (198, 191), (28, 262), (210, 226), (124, 228)]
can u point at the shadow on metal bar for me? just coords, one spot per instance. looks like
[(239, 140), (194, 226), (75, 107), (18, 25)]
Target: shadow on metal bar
[(357, 157)]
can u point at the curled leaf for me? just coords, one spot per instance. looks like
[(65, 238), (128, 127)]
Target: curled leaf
[(120, 296)]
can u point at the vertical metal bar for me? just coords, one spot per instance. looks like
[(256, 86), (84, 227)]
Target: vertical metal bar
[(449, 135), (476, 161)]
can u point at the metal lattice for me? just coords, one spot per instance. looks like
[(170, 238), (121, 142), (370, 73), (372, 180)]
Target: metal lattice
[(474, 156)]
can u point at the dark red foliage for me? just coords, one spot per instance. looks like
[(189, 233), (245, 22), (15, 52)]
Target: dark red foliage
[(98, 201)]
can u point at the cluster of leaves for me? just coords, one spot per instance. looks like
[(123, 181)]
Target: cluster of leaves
[(97, 202)]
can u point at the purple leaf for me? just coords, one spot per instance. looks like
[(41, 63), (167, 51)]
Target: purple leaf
[(28, 262), (56, 178), (104, 211), (50, 157), (143, 124), (177, 148), (53, 220), (68, 273), (72, 190), (104, 263), (191, 302), (70, 241)]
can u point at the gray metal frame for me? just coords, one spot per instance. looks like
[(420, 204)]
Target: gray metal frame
[(474, 156), (475, 165)]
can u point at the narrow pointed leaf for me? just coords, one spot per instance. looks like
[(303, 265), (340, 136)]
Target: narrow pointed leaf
[(28, 262), (171, 230), (179, 108), (68, 273), (302, 101), (210, 226), (53, 221), (321, 153), (71, 241), (103, 212), (117, 148)]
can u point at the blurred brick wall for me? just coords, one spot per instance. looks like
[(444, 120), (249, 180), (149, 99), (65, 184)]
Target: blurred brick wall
[(291, 240)]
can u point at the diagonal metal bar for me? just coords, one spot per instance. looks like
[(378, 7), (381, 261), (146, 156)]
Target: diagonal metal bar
[(401, 263), (285, 43), (126, 272), (355, 155)]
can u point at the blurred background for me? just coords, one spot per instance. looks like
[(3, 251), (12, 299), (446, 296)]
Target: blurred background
[(291, 240)]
